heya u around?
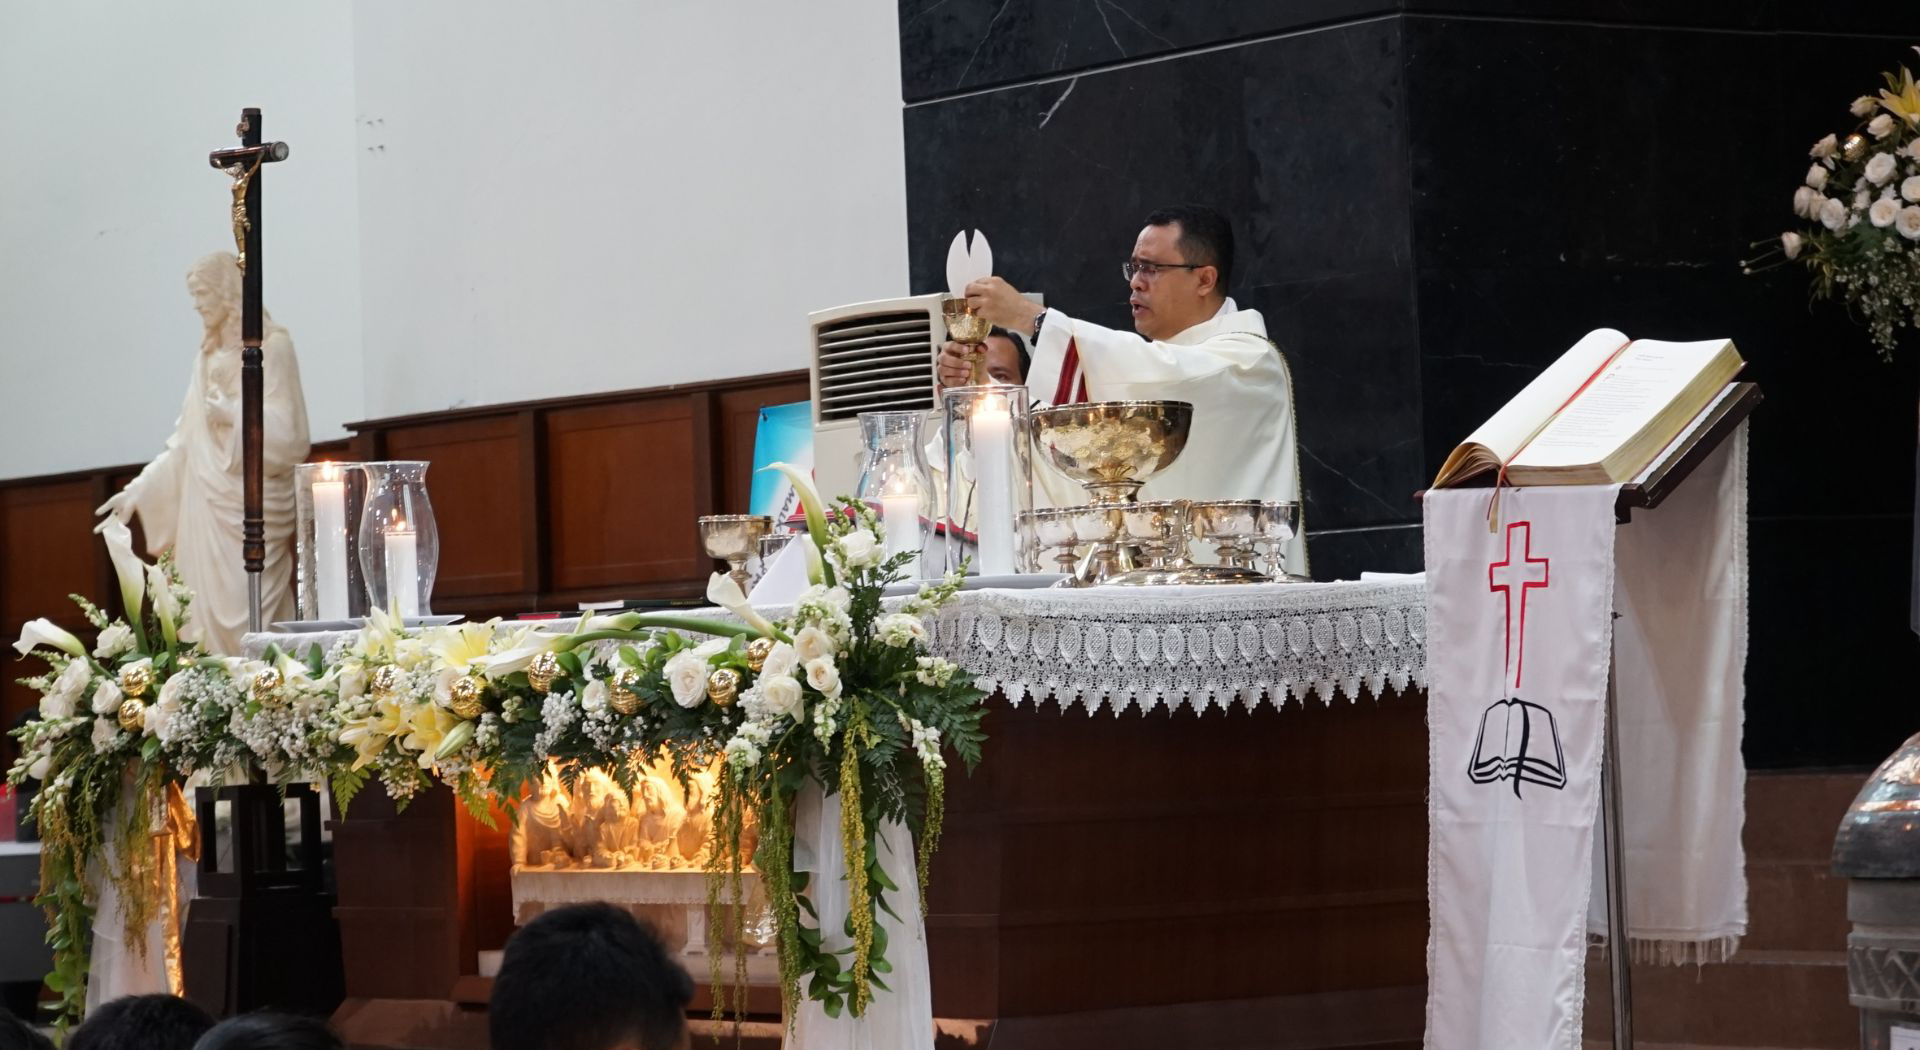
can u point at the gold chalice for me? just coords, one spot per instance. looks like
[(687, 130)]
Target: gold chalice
[(1112, 447), (734, 538), (969, 329)]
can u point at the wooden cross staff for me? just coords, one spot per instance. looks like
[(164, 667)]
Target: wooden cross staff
[(244, 165)]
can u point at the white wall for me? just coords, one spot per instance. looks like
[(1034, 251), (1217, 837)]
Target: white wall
[(602, 194), (107, 111)]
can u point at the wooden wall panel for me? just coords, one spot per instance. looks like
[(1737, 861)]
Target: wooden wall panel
[(477, 502), (739, 412), (47, 551), (622, 493)]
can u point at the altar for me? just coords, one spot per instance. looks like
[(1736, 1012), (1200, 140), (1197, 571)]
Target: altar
[(1201, 821)]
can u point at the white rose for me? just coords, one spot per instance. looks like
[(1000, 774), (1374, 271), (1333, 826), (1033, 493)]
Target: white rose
[(712, 647), (117, 638), (1908, 222), (1817, 177), (1880, 168), (1833, 214), (858, 549), (104, 732), (106, 699), (687, 677), (1805, 200), (38, 770), (1790, 244), (780, 695), (812, 643), (1864, 105), (56, 705), (823, 676), (593, 699), (1881, 126), (1883, 211), (900, 630), (73, 681), (782, 659), (352, 681), (1824, 148), (1910, 186)]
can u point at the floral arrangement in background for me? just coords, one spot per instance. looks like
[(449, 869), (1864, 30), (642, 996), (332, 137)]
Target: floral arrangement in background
[(1861, 199), (840, 694)]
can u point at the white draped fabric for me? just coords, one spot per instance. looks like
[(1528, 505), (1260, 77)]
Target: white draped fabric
[(117, 968), (1521, 621), (900, 1019)]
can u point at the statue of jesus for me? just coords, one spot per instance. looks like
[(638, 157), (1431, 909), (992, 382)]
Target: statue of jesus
[(190, 496)]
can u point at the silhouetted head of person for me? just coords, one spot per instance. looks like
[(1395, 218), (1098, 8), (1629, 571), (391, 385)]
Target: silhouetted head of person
[(588, 977), (16, 1034), (270, 1031), (142, 1022)]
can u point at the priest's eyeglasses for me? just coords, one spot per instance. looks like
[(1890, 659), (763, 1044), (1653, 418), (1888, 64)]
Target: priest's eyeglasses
[(1141, 268)]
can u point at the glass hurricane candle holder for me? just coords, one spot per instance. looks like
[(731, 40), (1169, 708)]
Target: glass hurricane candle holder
[(399, 542), (329, 584), (989, 475), (896, 481)]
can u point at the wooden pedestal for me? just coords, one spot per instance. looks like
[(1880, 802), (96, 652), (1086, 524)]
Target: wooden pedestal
[(1228, 879)]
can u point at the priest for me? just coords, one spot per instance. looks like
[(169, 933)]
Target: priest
[(1193, 344)]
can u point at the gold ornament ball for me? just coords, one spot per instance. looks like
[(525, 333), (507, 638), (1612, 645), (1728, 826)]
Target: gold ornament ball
[(722, 686), (464, 697), (542, 671), (266, 684), (620, 694), (385, 682), (133, 715), (1853, 147), (136, 679), (757, 652)]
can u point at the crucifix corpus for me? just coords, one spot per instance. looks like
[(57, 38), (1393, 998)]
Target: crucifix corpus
[(243, 165)]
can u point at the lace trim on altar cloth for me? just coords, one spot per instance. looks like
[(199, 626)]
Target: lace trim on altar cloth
[(1220, 647)]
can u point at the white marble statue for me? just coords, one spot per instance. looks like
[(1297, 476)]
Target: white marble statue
[(190, 497), (660, 816), (696, 830), (545, 827)]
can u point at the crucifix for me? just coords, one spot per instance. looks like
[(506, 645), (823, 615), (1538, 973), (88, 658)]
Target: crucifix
[(243, 164), (1507, 574)]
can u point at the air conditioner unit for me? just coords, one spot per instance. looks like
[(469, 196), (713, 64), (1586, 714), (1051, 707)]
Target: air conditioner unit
[(868, 357)]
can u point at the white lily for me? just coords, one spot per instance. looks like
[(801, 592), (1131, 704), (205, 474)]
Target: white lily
[(165, 609), (461, 645), (128, 566), (724, 592), (501, 664), (816, 511), (43, 632)]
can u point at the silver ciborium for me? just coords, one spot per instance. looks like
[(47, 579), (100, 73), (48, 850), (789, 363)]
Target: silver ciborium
[(734, 538), (1112, 447)]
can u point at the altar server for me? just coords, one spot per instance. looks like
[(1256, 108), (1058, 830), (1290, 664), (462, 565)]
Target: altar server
[(1194, 344)]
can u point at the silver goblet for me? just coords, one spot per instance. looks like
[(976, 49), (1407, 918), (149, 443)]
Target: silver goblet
[(1052, 529), (1279, 524), (734, 538)]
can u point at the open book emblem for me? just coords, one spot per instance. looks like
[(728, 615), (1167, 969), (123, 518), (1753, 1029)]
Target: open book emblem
[(1519, 741)]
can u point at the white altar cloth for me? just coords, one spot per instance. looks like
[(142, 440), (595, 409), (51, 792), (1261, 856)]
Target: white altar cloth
[(1116, 647)]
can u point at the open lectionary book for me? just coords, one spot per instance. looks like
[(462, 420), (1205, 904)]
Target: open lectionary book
[(1599, 414)]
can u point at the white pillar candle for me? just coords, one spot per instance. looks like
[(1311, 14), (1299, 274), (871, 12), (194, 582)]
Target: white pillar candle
[(900, 513), (403, 570), (992, 426), (330, 544)]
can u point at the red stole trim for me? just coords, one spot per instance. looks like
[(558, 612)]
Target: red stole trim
[(1066, 392)]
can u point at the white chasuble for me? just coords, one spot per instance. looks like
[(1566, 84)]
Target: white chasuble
[(1242, 445), (1519, 631)]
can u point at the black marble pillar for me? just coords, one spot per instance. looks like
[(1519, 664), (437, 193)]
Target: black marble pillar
[(1434, 201)]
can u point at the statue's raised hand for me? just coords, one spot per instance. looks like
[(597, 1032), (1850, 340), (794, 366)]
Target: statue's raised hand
[(118, 507)]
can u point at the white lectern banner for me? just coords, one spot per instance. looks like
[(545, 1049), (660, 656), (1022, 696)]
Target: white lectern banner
[(1519, 623)]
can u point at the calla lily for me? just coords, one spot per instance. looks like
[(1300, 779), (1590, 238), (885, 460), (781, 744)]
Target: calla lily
[(131, 570), (816, 513), (723, 591), (165, 609), (816, 565), (43, 632)]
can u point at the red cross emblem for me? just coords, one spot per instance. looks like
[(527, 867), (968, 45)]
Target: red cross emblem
[(1504, 576)]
